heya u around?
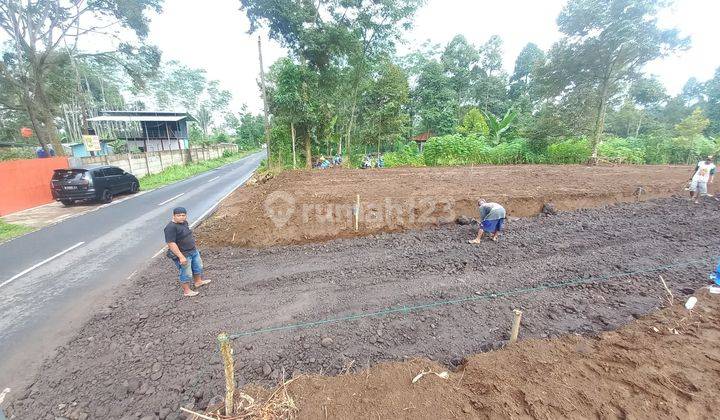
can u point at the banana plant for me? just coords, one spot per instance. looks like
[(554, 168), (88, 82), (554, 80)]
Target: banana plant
[(498, 126)]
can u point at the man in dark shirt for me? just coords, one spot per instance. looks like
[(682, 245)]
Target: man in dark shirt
[(181, 249)]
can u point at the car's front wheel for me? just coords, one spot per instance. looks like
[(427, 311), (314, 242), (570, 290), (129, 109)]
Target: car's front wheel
[(106, 196), (134, 188), (67, 203)]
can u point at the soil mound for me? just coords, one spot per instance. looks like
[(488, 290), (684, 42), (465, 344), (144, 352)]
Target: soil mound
[(297, 207)]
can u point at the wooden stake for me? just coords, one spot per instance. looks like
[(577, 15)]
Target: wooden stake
[(515, 326), (202, 416), (357, 212), (226, 353), (671, 298)]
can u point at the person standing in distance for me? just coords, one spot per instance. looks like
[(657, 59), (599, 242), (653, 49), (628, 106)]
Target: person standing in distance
[(703, 174), (182, 250)]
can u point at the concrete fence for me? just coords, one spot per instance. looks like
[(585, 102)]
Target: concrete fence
[(141, 164)]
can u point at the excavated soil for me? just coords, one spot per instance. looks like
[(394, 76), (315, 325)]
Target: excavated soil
[(664, 366), (579, 272), (299, 207)]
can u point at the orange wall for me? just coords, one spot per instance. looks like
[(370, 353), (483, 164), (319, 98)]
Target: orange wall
[(26, 183)]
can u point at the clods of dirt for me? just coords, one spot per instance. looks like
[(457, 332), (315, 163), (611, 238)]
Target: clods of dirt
[(297, 207), (344, 305)]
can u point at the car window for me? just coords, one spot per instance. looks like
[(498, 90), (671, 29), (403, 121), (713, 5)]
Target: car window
[(68, 174), (115, 171), (98, 173)]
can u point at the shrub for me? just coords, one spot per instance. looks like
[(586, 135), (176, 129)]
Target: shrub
[(454, 149), (569, 151), (406, 155), (621, 151)]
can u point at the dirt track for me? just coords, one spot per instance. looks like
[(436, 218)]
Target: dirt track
[(153, 351), (318, 205)]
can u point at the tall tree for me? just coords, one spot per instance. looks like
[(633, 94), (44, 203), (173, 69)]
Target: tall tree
[(435, 101), (712, 91), (528, 61), (41, 30), (605, 44), (459, 59)]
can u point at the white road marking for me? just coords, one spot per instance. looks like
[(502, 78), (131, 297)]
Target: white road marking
[(211, 180), (22, 273), (171, 199)]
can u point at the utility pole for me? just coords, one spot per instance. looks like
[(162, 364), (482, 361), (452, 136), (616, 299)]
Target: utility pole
[(265, 105)]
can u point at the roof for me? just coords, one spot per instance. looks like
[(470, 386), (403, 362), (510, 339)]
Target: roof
[(156, 116), (423, 137)]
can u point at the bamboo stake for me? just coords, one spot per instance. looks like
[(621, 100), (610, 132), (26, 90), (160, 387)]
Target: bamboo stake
[(357, 212), (226, 352), (671, 298), (515, 326)]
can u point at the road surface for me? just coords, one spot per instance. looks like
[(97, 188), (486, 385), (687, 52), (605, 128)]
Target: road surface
[(51, 280)]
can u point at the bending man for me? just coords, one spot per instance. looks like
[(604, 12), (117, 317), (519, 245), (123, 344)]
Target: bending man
[(492, 219)]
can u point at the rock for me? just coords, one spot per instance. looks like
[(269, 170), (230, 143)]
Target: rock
[(267, 370), (143, 389), (326, 342), (133, 384), (549, 209), (463, 220), (162, 415), (156, 367), (156, 375), (149, 417)]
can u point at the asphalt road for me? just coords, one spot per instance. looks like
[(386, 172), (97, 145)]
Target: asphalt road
[(51, 280)]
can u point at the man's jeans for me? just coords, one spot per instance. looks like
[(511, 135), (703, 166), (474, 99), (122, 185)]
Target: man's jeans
[(193, 266)]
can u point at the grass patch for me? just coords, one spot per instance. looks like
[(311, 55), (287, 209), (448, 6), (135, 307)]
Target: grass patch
[(9, 230), (180, 172)]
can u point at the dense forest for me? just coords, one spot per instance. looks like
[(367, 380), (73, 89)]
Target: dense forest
[(344, 88)]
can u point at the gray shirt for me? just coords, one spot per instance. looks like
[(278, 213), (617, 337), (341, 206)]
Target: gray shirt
[(491, 211)]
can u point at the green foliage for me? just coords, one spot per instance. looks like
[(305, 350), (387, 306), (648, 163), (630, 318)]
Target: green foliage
[(179, 172), (620, 150), (13, 153), (693, 125), (569, 151), (496, 127), (474, 123), (406, 155), (10, 230)]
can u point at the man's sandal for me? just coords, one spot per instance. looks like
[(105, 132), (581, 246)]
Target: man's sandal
[(191, 293), (202, 283)]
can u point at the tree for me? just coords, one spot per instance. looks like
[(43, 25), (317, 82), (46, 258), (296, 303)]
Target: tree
[(490, 81), (712, 91), (42, 35), (605, 44), (473, 123), (333, 38), (497, 126), (384, 104), (528, 61), (693, 125), (435, 101), (459, 58)]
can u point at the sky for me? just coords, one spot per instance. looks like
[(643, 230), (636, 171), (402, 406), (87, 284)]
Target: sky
[(212, 35)]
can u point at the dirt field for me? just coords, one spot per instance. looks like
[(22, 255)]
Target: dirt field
[(664, 366), (154, 351), (307, 206)]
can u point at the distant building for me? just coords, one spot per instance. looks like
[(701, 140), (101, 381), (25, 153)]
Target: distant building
[(79, 149), (149, 131), (420, 139)]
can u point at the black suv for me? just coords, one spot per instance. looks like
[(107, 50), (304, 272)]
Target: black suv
[(101, 183)]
